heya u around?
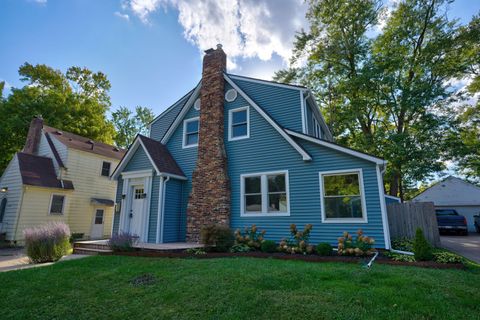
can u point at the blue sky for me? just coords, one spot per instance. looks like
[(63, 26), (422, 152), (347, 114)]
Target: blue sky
[(151, 49)]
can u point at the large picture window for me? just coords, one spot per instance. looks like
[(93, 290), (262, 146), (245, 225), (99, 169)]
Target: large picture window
[(342, 196), (265, 194), (239, 126), (190, 132)]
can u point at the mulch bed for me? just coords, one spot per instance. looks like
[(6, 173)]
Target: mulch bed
[(381, 259)]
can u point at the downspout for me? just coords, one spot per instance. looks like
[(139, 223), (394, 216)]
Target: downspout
[(163, 204)]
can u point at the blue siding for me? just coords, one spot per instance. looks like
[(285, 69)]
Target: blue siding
[(282, 104), (266, 150), (153, 216), (186, 159), (160, 126), (309, 121), (139, 161), (174, 224), (118, 199)]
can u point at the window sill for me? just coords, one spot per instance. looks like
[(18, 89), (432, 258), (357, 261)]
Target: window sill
[(238, 138), (265, 214), (344, 220), (189, 146)]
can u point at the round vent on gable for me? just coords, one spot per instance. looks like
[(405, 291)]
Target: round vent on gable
[(196, 104), (231, 95)]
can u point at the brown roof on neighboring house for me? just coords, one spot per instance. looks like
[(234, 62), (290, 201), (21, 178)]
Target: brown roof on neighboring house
[(161, 156), (39, 171), (54, 150), (84, 144)]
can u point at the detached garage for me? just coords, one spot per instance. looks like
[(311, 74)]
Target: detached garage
[(454, 193)]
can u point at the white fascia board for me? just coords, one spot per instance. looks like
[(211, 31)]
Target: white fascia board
[(266, 82), (303, 153), (319, 114), (338, 147), (182, 114)]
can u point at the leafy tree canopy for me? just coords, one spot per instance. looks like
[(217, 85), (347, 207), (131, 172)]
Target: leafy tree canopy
[(127, 124)]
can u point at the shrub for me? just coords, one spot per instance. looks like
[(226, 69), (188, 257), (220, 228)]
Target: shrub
[(324, 249), (196, 251), (298, 242), (76, 236), (400, 257), (240, 248), (421, 248), (442, 256), (361, 246), (47, 243), (218, 238), (403, 244), (122, 242), (250, 237), (269, 246)]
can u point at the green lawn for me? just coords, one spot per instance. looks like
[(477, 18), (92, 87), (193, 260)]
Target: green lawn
[(236, 288)]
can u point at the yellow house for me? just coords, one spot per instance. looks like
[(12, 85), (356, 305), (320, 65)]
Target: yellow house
[(59, 176)]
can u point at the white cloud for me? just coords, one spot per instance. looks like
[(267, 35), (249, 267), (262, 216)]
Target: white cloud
[(245, 28), (123, 16), (42, 2), (7, 87)]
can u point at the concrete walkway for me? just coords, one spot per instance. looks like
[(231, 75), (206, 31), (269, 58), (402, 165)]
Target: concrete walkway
[(16, 259), (467, 246)]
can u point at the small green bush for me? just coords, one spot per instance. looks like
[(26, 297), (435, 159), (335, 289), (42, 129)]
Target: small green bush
[(241, 247), (269, 246), (403, 244), (421, 248), (218, 238), (76, 236), (442, 256), (324, 249), (47, 243), (400, 257)]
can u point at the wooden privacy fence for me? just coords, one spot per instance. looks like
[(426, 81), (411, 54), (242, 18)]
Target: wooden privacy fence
[(405, 218)]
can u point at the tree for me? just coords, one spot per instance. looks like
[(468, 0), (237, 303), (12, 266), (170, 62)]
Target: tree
[(128, 124), (76, 102), (384, 92)]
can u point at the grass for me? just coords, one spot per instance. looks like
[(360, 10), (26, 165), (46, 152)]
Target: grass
[(236, 288)]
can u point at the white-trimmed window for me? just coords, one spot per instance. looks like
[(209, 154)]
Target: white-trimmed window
[(57, 204), (343, 197), (106, 169), (190, 132), (239, 123), (265, 194)]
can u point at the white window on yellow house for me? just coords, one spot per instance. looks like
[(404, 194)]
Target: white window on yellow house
[(57, 204), (106, 168)]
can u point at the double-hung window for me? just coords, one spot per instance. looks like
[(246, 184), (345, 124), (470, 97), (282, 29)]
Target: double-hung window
[(239, 123), (57, 204), (265, 194), (342, 196), (106, 168), (317, 129), (190, 132)]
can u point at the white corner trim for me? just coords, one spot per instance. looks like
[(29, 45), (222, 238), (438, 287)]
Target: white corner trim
[(337, 147), (182, 114), (159, 236), (303, 153), (383, 206), (230, 127), (264, 194), (303, 113), (358, 171), (184, 132)]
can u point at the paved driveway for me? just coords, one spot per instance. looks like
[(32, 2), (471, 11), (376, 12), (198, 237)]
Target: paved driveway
[(467, 246)]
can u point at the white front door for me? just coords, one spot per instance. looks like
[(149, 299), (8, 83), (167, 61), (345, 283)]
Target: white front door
[(97, 225), (136, 212)]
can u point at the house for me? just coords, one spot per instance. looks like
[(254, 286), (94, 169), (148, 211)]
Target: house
[(238, 151), (59, 176), (454, 193)]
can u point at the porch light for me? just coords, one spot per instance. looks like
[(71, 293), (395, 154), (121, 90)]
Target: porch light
[(3, 189)]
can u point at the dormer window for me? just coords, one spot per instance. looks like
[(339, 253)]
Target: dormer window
[(106, 169), (190, 132), (239, 123)]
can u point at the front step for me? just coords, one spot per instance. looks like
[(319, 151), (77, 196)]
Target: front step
[(91, 251)]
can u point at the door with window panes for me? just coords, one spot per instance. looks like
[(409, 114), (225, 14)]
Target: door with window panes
[(98, 224)]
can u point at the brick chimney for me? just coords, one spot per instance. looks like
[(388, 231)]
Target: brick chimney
[(209, 201), (34, 134)]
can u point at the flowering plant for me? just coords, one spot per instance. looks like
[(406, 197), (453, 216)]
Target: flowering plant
[(361, 246), (298, 242), (250, 237)]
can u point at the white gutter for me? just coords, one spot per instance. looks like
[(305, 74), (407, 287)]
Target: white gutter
[(408, 253), (373, 259), (161, 207)]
